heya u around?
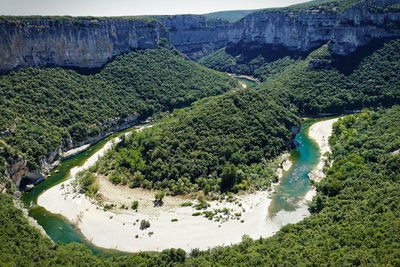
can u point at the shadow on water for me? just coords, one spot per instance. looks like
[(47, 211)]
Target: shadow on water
[(58, 228), (295, 183), (294, 186)]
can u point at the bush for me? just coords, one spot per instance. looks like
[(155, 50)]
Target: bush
[(115, 179), (135, 205), (186, 204), (144, 224), (158, 197)]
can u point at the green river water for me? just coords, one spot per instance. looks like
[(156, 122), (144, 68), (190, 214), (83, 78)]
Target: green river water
[(294, 186)]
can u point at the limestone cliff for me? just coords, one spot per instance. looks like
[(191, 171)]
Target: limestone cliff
[(363, 22), (85, 43), (21, 175), (91, 42), (304, 29), (269, 31), (196, 36)]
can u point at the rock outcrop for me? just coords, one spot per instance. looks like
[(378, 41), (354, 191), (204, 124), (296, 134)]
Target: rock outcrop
[(20, 174), (364, 22), (269, 31), (91, 42), (195, 35), (302, 30), (72, 42)]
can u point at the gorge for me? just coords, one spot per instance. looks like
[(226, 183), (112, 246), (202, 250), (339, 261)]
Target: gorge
[(90, 42), (217, 102)]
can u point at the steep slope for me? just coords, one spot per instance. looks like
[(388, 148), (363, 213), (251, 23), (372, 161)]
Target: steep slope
[(299, 29), (90, 42), (195, 35), (48, 110), (355, 220), (318, 85), (218, 144), (67, 41)]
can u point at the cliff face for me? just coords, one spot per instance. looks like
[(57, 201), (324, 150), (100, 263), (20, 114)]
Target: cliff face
[(294, 32), (307, 29), (90, 43), (86, 44), (196, 36), (368, 20), (22, 176)]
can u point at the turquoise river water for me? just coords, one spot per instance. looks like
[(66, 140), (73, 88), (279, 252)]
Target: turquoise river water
[(293, 187)]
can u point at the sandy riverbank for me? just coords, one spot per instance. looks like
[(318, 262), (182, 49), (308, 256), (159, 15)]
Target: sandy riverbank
[(120, 228), (320, 133)]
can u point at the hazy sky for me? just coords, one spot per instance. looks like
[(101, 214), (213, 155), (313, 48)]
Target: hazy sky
[(131, 7)]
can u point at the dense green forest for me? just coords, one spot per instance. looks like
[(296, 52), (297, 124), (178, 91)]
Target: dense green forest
[(355, 218), (44, 107), (221, 143), (318, 83), (259, 67), (321, 82)]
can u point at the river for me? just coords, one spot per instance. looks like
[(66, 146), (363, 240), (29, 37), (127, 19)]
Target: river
[(288, 197)]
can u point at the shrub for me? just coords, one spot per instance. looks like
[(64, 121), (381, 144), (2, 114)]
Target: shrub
[(144, 224), (186, 204), (135, 205), (115, 179)]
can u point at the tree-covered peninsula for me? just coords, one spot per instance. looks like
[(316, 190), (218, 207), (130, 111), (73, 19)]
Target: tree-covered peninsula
[(219, 144)]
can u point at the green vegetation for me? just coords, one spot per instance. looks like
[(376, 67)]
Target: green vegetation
[(258, 67), (144, 224), (231, 15), (43, 108), (355, 218), (158, 197), (186, 204), (316, 84), (323, 83), (316, 5), (86, 183), (135, 205), (223, 143), (220, 60), (20, 20)]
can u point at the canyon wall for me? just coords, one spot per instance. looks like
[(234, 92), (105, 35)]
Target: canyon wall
[(295, 30), (92, 42), (73, 43), (196, 36), (365, 21)]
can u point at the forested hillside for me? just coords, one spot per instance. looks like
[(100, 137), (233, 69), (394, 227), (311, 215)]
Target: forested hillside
[(259, 66), (322, 82), (355, 220), (221, 143), (42, 108)]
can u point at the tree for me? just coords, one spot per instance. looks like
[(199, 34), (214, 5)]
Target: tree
[(229, 177), (158, 198)]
